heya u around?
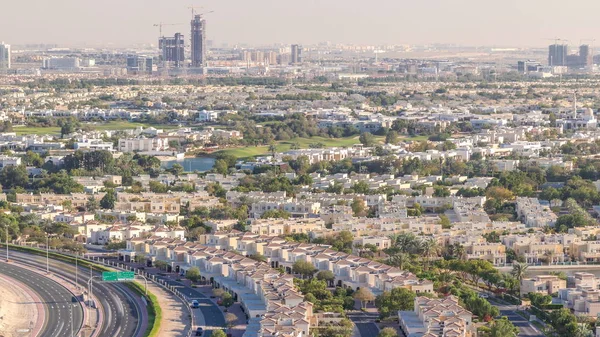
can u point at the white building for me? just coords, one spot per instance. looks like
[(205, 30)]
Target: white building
[(143, 144)]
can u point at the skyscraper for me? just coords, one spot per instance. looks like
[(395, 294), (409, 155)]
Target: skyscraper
[(557, 54), (198, 41), (173, 50), (296, 54), (4, 56), (586, 59)]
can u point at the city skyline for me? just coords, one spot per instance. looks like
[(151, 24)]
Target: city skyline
[(506, 23)]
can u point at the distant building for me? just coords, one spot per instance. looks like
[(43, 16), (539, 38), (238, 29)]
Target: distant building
[(137, 64), (557, 54), (4, 56), (296, 54), (172, 48), (198, 41), (528, 66), (586, 59), (61, 63)]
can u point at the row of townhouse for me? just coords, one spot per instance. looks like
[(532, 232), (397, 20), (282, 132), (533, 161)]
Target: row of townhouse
[(554, 248), (327, 154), (163, 202), (436, 318), (349, 270), (75, 200), (582, 294), (298, 208), (270, 300), (425, 225), (534, 214)]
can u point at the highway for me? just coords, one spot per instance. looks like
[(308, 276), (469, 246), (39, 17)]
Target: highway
[(59, 303), (121, 311), (212, 315)]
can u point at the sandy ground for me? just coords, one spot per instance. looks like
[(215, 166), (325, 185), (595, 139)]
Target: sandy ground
[(18, 311)]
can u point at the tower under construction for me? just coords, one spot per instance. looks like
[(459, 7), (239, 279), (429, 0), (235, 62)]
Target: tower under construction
[(198, 41)]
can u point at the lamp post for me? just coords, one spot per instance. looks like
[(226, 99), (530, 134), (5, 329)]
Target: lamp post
[(6, 227), (47, 253)]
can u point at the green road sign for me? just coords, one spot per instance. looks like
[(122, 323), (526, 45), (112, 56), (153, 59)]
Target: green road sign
[(114, 276), (125, 275), (109, 276)]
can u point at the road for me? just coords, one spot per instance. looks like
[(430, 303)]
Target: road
[(59, 303), (365, 322), (526, 328), (212, 314), (121, 312)]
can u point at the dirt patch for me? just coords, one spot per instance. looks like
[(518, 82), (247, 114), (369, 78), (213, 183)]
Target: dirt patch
[(18, 310)]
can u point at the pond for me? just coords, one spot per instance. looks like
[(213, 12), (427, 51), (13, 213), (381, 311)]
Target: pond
[(200, 164)]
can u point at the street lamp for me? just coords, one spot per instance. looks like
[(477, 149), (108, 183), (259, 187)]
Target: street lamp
[(6, 227), (47, 253)]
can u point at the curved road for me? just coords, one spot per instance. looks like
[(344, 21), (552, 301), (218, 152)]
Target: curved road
[(121, 311), (59, 303)]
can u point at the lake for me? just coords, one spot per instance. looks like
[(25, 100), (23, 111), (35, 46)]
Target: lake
[(200, 164)]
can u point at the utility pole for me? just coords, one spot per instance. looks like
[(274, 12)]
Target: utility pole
[(76, 271), (6, 243), (47, 253)]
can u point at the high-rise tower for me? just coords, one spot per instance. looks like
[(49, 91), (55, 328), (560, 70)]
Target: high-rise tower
[(4, 56), (557, 54), (198, 41), (172, 50)]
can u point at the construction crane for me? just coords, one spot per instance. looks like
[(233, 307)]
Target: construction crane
[(193, 9), (160, 25)]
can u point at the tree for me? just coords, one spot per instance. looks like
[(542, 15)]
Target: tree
[(193, 274), (227, 300), (359, 207), (367, 139), (445, 221), (161, 265), (231, 319), (364, 295), (503, 328), (388, 332), (303, 268), (325, 275), (108, 200), (391, 137), (218, 292), (14, 176), (519, 270), (218, 333), (176, 169), (390, 302), (92, 204), (221, 167)]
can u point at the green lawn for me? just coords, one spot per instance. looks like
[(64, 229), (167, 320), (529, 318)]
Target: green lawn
[(115, 125), (286, 145)]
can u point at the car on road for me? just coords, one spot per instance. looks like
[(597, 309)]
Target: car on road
[(483, 295), (199, 331), (195, 304)]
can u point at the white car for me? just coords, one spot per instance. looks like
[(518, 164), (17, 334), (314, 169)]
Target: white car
[(483, 295)]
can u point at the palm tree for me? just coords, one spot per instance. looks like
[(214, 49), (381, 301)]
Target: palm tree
[(430, 248), (272, 149), (519, 270), (549, 256), (399, 260)]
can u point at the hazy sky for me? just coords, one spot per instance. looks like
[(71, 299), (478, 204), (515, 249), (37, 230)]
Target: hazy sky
[(468, 22)]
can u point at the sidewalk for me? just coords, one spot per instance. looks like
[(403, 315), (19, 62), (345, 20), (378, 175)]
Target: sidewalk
[(176, 320)]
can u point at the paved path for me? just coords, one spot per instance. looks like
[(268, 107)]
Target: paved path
[(175, 316), (525, 327), (365, 322)]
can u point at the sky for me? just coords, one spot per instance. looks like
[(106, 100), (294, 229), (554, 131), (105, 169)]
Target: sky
[(505, 23)]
